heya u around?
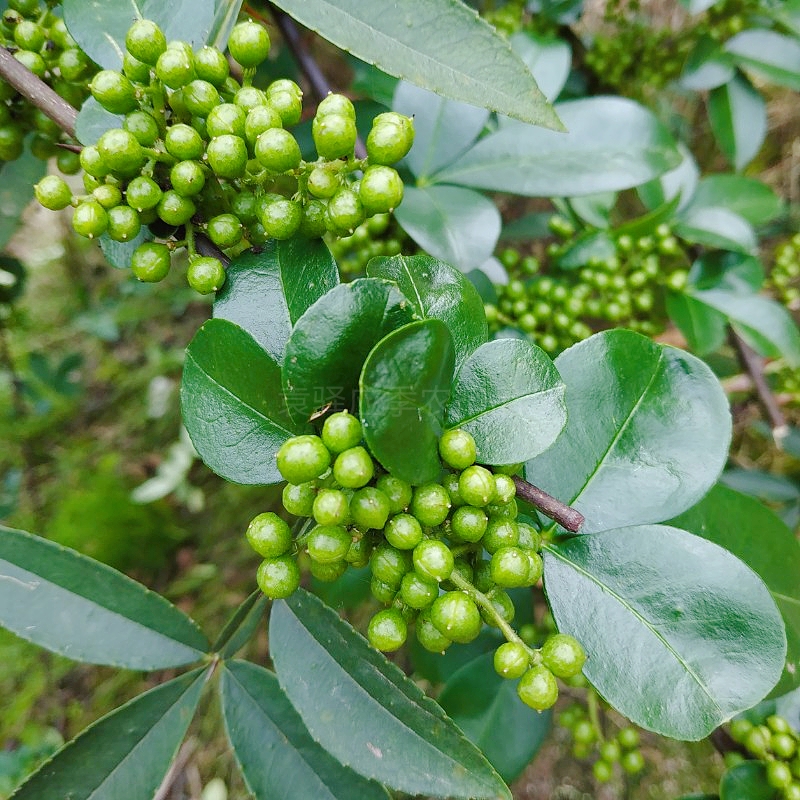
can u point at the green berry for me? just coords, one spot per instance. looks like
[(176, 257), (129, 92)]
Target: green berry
[(225, 230), (369, 508), (150, 262), (476, 486), (121, 152), (757, 742), (53, 193), (134, 69), (783, 745), (248, 97), (603, 771), (629, 738), (500, 532), (68, 162), (536, 568), (792, 792), (359, 551), (403, 531), (632, 762), (183, 142), (269, 535), (205, 274), (390, 139), (387, 630), (124, 223), (610, 751), (456, 616), (398, 492), (505, 489), (211, 65), (143, 193), (298, 498), (73, 64), (383, 592), (563, 655), (538, 689), (281, 218), (331, 507), (328, 543), (529, 538), (187, 178), (511, 660), (430, 504), (336, 104), (327, 573), (778, 724), (380, 190), (433, 559), (502, 605), (353, 468), (175, 67), (278, 577), (345, 212), (226, 119), (341, 431), (303, 458), (90, 219), (249, 43), (584, 731), (334, 135), (143, 126), (175, 209), (323, 182), (145, 41), (287, 105), (469, 524), (418, 592), (509, 567), (200, 97), (277, 150), (113, 91), (428, 635), (227, 156), (457, 448), (779, 776), (388, 564), (259, 120), (28, 35)]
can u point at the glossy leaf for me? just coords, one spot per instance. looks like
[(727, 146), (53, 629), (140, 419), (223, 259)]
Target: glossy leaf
[(707, 66), (241, 626), (751, 199), (404, 39), (454, 224), (647, 432), (235, 415), (329, 343), (769, 54), (738, 117), (405, 384), (17, 179), (443, 129), (705, 328), (612, 144), (758, 537), (87, 611), (226, 12), (510, 397), (681, 635), (677, 185), (274, 749), (366, 713), (482, 704), (438, 291), (747, 781), (595, 208), (99, 26), (734, 272), (124, 754), (266, 292), (586, 247), (93, 121), (549, 59), (716, 227)]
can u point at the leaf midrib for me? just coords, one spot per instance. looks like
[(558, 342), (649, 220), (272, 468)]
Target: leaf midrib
[(490, 409)]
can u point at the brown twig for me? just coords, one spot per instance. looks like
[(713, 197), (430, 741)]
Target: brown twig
[(754, 366), (37, 92), (563, 514)]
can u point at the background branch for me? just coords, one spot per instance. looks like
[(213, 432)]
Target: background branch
[(566, 516)]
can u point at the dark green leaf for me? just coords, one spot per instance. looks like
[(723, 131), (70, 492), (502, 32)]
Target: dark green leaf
[(647, 223), (93, 121), (365, 712), (452, 223), (549, 59), (231, 404), (278, 757), (754, 534), (716, 227), (707, 67), (438, 291), (747, 197), (677, 185), (99, 26), (769, 54), (404, 39), (349, 591), (17, 179), (734, 272), (612, 144), (118, 254), (738, 116), (509, 396), (372, 82), (267, 291), (647, 432), (443, 129), (405, 384), (124, 754), (482, 704), (440, 667), (329, 343), (12, 280), (586, 247), (681, 635), (241, 626), (705, 328), (747, 781), (85, 610)]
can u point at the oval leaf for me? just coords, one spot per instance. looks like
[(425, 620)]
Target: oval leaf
[(366, 713), (235, 415), (124, 754), (482, 703), (452, 223), (267, 291), (704, 328), (405, 384), (748, 197), (273, 747), (769, 54), (329, 343), (99, 26), (612, 144), (87, 611), (716, 227), (758, 537), (647, 434), (738, 116), (16, 190), (509, 396), (404, 39), (681, 635), (438, 291), (549, 59), (93, 121), (747, 781)]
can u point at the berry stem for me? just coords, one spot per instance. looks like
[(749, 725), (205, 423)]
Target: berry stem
[(564, 515), (593, 707)]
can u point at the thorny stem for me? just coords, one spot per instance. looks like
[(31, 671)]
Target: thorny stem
[(564, 515)]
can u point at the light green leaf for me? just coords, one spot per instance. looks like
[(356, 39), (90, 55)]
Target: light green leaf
[(747, 197), (769, 54), (93, 121), (738, 116), (707, 67), (17, 179), (550, 60), (716, 227)]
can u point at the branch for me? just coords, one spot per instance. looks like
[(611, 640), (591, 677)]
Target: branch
[(754, 365), (37, 92), (564, 515)]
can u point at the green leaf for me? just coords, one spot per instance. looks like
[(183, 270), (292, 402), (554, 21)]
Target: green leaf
[(241, 626), (612, 144), (647, 223), (443, 129), (549, 59), (716, 227), (595, 209), (482, 704), (681, 635), (758, 537), (277, 755), (405, 384), (705, 328), (124, 754), (747, 197), (17, 179), (365, 712), (329, 343), (87, 611), (738, 116), (707, 66), (452, 223), (93, 121), (586, 247), (764, 485), (13, 277), (747, 781), (266, 292), (438, 291), (732, 271), (677, 185), (404, 39), (509, 396), (99, 26), (769, 54), (119, 254), (698, 6), (647, 434), (226, 13), (230, 403)]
